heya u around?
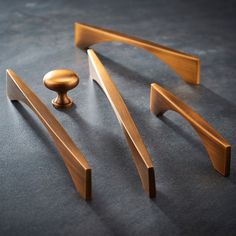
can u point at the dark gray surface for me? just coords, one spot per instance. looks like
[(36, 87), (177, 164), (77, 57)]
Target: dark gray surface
[(37, 196)]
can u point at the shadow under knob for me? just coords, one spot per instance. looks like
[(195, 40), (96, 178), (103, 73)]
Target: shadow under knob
[(61, 81)]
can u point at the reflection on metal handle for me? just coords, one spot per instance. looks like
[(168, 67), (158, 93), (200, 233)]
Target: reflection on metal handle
[(186, 66), (217, 147), (140, 154), (77, 165)]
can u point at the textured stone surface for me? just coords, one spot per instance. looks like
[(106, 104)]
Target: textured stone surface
[(37, 196)]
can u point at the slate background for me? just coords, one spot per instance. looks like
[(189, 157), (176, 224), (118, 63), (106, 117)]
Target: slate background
[(37, 196)]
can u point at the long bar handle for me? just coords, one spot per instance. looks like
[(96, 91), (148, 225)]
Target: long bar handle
[(77, 165), (186, 66), (141, 156)]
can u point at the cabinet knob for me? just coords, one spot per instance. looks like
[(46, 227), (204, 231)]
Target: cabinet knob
[(61, 81)]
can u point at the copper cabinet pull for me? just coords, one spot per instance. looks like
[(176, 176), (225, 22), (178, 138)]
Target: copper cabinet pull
[(77, 165), (186, 66), (218, 148), (141, 156)]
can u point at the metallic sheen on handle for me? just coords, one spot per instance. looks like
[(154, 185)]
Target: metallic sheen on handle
[(77, 165), (218, 148), (141, 156), (186, 66)]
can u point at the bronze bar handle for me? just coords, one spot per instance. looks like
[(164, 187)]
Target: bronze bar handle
[(77, 165), (186, 66), (218, 148), (141, 156)]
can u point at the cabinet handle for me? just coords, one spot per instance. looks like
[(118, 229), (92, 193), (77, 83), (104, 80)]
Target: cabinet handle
[(219, 150), (186, 66), (77, 165), (141, 156)]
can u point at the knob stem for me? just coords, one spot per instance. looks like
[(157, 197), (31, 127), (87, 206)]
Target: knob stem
[(62, 100)]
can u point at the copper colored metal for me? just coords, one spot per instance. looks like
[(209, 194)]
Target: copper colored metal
[(77, 165), (141, 156), (61, 81), (186, 66), (218, 148)]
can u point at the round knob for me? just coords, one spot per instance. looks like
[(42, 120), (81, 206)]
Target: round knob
[(61, 81)]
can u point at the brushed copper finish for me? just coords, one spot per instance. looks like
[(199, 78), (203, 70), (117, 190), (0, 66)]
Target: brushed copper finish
[(218, 148), (141, 156), (186, 66), (61, 81), (77, 165)]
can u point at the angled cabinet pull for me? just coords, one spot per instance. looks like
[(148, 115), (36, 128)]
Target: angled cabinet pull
[(77, 165), (186, 66), (218, 148), (141, 156)]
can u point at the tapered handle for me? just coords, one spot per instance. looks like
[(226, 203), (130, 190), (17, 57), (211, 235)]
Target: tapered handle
[(186, 66), (218, 148), (76, 163), (141, 156)]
